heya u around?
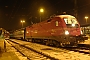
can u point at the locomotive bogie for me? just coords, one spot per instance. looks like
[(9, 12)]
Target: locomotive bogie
[(56, 40)]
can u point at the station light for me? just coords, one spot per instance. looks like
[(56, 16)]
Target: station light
[(22, 21)]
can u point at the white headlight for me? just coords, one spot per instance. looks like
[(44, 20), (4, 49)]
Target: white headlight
[(66, 32), (73, 25)]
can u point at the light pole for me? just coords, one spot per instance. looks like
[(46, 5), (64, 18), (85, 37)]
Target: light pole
[(41, 11), (86, 18), (22, 21)]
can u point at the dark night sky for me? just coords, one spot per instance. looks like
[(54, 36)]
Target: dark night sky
[(12, 11)]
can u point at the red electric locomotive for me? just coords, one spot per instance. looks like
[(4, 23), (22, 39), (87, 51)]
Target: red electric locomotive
[(60, 30)]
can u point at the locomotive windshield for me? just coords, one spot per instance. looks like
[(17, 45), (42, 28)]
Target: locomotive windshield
[(71, 22)]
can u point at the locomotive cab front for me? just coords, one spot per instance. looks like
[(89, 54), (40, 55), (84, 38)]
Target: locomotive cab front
[(73, 33), (72, 26)]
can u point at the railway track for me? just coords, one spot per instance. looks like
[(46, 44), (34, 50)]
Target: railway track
[(51, 53), (30, 53), (82, 48)]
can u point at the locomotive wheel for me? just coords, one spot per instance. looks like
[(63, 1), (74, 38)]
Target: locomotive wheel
[(73, 45), (47, 43), (30, 40), (56, 43), (62, 45), (33, 40)]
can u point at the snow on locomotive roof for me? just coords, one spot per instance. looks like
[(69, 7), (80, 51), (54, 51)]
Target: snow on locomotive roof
[(65, 16)]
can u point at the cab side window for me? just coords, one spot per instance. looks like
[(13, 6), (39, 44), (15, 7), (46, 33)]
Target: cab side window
[(56, 23)]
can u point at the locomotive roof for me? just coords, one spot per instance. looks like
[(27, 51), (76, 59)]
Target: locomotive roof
[(65, 16)]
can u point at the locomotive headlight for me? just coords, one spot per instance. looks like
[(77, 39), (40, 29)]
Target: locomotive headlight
[(73, 25), (66, 32)]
